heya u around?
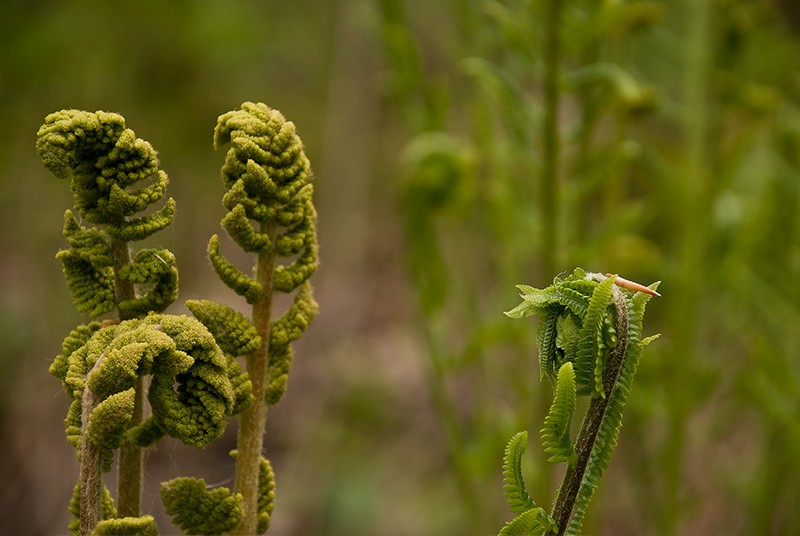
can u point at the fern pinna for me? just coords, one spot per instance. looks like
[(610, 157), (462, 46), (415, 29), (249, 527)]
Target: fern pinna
[(193, 385), (270, 214), (590, 341)]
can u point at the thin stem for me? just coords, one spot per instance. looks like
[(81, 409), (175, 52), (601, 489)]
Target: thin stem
[(252, 423), (448, 416), (90, 478), (129, 481), (568, 493), (550, 155), (693, 208)]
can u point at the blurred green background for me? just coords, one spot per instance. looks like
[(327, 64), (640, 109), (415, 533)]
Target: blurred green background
[(429, 126)]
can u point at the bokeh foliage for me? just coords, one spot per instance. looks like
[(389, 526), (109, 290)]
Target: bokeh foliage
[(679, 162)]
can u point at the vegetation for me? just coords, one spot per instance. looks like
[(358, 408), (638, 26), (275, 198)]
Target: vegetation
[(195, 381), (590, 343), (460, 147)]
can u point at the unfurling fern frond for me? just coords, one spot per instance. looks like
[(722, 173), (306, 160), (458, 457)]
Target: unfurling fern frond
[(268, 196), (530, 519), (589, 349), (591, 334), (103, 160), (513, 483), (176, 351), (609, 429), (555, 433), (113, 176)]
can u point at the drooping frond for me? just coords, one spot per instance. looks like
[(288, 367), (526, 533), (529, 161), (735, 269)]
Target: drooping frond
[(234, 278), (513, 483), (236, 336), (556, 431), (107, 424), (190, 392), (191, 405), (199, 510)]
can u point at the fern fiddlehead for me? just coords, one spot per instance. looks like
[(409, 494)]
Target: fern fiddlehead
[(194, 386), (590, 341), (270, 214), (113, 176)]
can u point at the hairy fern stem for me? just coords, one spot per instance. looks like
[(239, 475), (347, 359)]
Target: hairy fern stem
[(90, 477), (252, 425), (585, 442), (129, 470)]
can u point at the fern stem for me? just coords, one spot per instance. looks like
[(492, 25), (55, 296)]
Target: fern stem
[(129, 484), (90, 478), (129, 470), (568, 493), (550, 149), (448, 416), (252, 424)]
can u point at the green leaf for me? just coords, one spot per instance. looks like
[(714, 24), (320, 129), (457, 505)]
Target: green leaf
[(127, 526), (108, 422), (588, 351), (530, 522), (198, 510), (266, 493), (234, 332), (283, 331), (234, 278), (513, 483), (556, 431)]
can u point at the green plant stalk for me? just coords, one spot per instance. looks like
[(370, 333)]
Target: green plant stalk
[(130, 457), (454, 434), (550, 156), (90, 476), (550, 148), (252, 424), (129, 470), (565, 501), (694, 210)]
